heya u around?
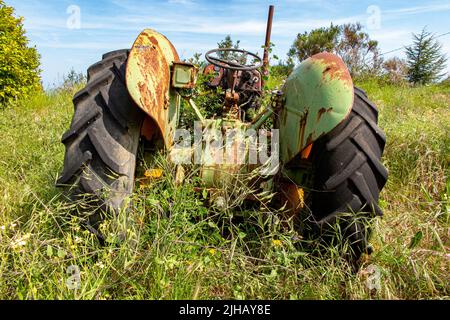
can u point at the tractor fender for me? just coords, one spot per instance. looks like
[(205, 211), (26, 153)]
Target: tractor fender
[(148, 76), (319, 95)]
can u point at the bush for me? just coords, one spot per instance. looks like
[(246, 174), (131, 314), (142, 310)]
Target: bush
[(19, 63), (318, 40), (395, 71), (73, 80), (282, 69), (354, 46)]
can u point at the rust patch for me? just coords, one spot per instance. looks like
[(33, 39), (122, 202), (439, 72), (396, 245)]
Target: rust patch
[(153, 40), (310, 139), (302, 128), (175, 53), (153, 66), (306, 152), (321, 112), (335, 67), (176, 57), (148, 78)]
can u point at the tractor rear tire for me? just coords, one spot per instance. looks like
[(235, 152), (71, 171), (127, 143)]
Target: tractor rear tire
[(348, 177), (102, 142)]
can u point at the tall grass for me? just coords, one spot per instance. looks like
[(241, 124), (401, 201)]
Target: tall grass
[(174, 245)]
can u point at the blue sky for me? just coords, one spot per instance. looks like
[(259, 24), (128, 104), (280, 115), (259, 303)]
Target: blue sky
[(196, 25)]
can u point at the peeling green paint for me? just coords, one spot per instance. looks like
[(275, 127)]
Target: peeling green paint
[(318, 96)]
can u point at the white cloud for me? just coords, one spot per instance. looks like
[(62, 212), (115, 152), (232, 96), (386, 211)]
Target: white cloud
[(419, 9), (196, 27)]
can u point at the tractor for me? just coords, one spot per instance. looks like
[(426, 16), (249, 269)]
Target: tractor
[(324, 166)]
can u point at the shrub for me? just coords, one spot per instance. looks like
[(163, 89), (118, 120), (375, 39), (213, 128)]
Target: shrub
[(73, 80), (318, 40), (395, 70), (354, 46), (19, 63)]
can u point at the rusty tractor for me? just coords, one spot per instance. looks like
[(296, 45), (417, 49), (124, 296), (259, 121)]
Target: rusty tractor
[(323, 166)]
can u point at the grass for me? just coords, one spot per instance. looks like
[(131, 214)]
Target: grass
[(171, 246)]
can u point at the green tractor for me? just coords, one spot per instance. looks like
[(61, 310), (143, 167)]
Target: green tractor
[(324, 166)]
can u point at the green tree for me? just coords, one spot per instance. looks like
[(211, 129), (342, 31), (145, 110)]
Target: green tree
[(316, 41), (281, 69), (196, 60), (19, 63), (425, 60), (228, 43), (354, 46), (358, 51)]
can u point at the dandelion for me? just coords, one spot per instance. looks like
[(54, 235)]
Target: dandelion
[(212, 251), (277, 243)]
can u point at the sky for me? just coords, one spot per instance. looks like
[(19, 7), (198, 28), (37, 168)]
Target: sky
[(73, 34)]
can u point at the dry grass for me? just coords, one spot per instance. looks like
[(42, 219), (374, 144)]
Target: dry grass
[(175, 248)]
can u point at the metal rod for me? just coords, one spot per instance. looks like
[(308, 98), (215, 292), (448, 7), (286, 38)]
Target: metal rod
[(267, 44), (261, 119), (197, 111)]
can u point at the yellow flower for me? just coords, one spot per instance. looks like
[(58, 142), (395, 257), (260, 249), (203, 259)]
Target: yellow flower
[(212, 251), (153, 173), (277, 243)]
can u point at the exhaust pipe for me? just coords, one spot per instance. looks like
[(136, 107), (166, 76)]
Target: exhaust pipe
[(267, 44)]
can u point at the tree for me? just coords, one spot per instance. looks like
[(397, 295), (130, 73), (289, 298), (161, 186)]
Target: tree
[(228, 43), (196, 59), (395, 70), (424, 59), (73, 80), (358, 51), (19, 63), (318, 40), (354, 46)]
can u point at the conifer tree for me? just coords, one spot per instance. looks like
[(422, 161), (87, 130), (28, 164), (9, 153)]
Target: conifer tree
[(425, 59)]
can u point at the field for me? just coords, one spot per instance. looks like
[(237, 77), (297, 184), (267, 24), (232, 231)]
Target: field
[(170, 245)]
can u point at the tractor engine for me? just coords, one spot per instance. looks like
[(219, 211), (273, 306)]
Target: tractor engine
[(243, 89)]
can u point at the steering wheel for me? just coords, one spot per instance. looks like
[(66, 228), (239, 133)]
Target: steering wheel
[(233, 65)]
